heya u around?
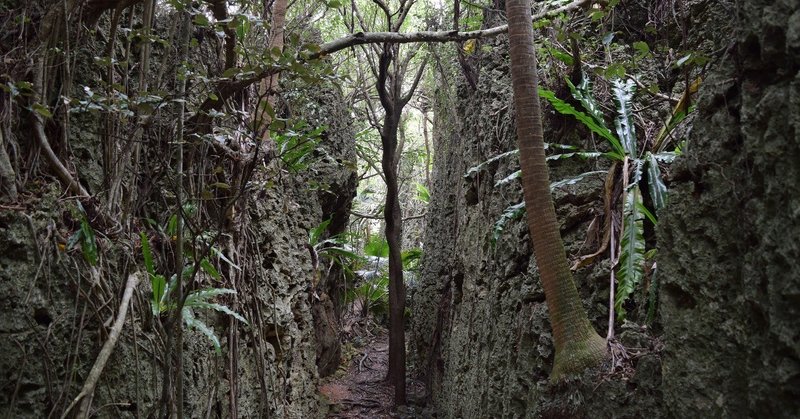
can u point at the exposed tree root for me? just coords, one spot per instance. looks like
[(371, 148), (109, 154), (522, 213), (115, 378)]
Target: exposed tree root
[(87, 392)]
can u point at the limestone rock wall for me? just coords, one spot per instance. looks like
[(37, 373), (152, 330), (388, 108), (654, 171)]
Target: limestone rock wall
[(56, 308), (480, 332), (728, 253)]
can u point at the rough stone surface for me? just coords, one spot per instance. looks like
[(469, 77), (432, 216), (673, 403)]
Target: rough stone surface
[(480, 331), (727, 258), (728, 254), (52, 326)]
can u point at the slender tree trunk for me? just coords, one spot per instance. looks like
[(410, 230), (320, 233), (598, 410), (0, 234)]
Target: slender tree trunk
[(179, 241), (577, 344), (394, 228), (397, 289), (275, 41)]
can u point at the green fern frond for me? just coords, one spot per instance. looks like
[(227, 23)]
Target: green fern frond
[(583, 94), (193, 323), (203, 295), (511, 213), (631, 262), (478, 168), (624, 123), (508, 179), (221, 308), (656, 186), (565, 108)]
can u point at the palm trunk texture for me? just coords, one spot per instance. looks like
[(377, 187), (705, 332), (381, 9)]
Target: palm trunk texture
[(577, 344)]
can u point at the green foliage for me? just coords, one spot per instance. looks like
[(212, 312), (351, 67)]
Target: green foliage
[(411, 258), (656, 186), (508, 179), (335, 248), (315, 234), (158, 282), (376, 246), (631, 261), (630, 271), (85, 237), (423, 194), (583, 94), (472, 171), (373, 295), (199, 300), (511, 213), (624, 123), (565, 108), (296, 144), (161, 301), (515, 212)]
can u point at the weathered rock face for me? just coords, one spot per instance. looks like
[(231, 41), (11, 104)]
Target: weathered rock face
[(728, 248), (55, 306), (727, 255), (480, 329)]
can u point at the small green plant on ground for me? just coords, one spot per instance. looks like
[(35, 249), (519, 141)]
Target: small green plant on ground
[(372, 295)]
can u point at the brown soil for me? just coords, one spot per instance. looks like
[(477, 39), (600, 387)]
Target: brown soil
[(360, 389)]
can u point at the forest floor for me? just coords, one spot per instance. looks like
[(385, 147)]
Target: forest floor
[(359, 388)]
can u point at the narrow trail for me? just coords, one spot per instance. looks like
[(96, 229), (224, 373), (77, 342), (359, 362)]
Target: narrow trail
[(361, 391)]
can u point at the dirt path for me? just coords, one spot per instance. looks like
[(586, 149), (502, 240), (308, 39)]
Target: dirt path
[(362, 392)]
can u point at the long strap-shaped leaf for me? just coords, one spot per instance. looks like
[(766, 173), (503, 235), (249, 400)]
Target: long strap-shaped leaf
[(626, 130), (631, 268), (656, 186), (583, 94), (565, 108)]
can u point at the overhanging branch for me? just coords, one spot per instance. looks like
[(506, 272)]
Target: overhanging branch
[(431, 36), (227, 89)]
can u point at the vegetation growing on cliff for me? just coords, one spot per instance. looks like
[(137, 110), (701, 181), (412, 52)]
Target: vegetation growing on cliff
[(178, 173)]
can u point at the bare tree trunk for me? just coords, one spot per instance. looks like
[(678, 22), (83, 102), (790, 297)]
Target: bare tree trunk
[(394, 228), (271, 82), (577, 344)]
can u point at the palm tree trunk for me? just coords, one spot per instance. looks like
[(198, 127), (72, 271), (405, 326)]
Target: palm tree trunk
[(577, 344)]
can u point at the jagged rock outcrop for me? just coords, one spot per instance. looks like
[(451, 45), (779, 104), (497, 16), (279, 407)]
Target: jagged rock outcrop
[(728, 252), (56, 308), (727, 258), (480, 332)]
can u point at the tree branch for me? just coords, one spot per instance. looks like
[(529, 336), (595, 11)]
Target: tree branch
[(379, 216), (383, 67), (430, 36), (38, 128), (417, 78), (87, 391), (227, 89)]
